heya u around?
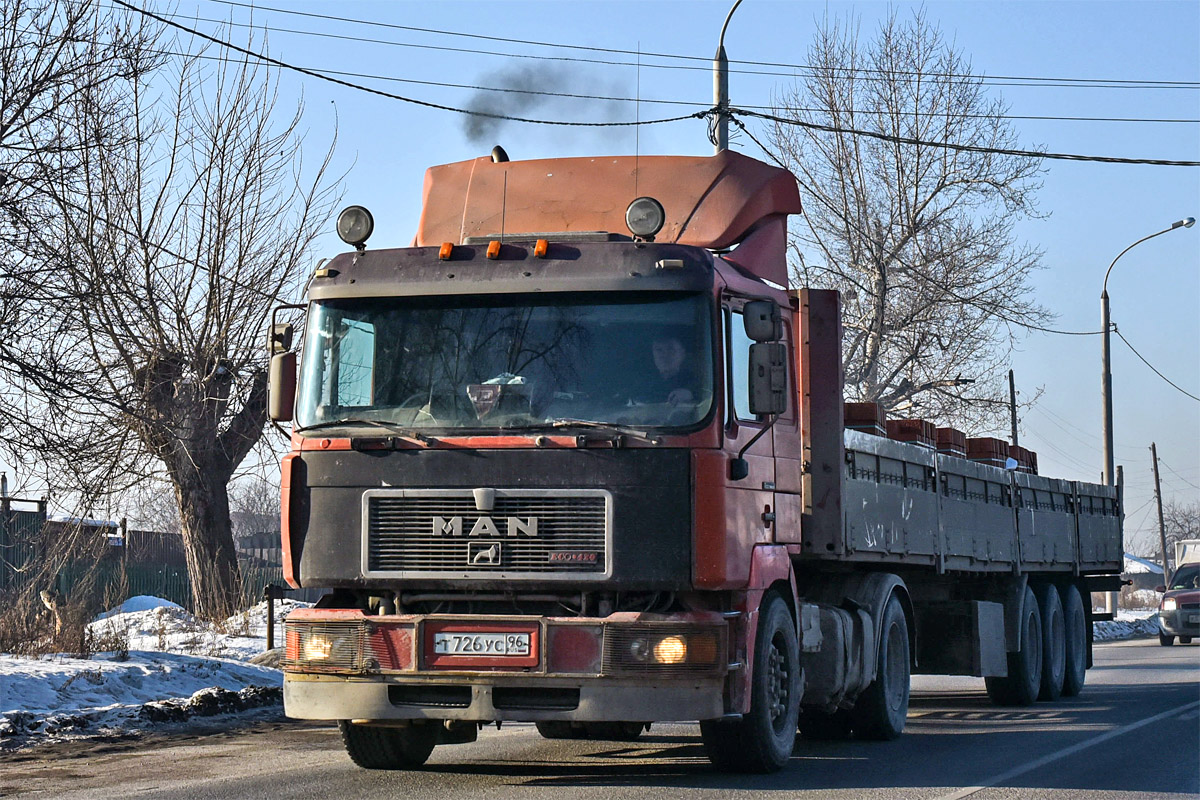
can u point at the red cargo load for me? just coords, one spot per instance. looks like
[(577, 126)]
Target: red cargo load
[(988, 451), (916, 431), (1026, 459), (865, 417), (951, 442)]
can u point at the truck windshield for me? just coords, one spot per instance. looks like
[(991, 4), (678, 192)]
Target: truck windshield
[(508, 362)]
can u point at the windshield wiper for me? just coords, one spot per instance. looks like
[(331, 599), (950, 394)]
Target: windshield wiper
[(406, 433), (568, 422)]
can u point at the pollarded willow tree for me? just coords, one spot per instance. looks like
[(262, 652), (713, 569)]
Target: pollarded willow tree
[(917, 237), (166, 263)]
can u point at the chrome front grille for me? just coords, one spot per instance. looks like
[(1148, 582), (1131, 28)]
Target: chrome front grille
[(514, 533)]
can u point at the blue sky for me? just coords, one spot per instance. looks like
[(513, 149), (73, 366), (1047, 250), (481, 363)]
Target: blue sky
[(1093, 210)]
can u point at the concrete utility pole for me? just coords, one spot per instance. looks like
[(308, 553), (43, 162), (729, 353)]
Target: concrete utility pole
[(1012, 405), (721, 86), (1106, 380), (1162, 528)]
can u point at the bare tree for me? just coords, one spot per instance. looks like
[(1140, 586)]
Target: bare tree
[(56, 56), (167, 259), (1181, 521), (918, 238), (254, 506)]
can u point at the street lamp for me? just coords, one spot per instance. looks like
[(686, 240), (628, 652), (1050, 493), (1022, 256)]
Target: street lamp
[(1106, 385)]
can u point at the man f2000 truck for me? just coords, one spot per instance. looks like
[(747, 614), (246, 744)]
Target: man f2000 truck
[(576, 458)]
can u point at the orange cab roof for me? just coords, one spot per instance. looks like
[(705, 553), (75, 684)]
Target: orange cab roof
[(711, 202)]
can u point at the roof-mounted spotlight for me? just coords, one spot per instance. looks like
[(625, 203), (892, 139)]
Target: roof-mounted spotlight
[(354, 226), (645, 218)]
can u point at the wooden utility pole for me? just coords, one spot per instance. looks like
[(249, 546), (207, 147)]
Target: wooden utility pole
[(1012, 405), (1162, 529)]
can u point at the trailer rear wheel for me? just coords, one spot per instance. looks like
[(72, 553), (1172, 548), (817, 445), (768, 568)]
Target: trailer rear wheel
[(1054, 642), (1077, 641), (763, 739), (388, 748), (1020, 687), (882, 710)]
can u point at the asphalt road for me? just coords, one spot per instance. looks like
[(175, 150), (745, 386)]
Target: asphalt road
[(1134, 733)]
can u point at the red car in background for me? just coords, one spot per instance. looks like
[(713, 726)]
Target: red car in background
[(1179, 609)]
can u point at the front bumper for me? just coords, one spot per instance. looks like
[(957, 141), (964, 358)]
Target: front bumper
[(1180, 622), (508, 699), (342, 664)]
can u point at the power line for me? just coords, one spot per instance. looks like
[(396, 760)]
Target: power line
[(708, 113), (1152, 367), (610, 98), (1177, 475), (1034, 80), (960, 147), (438, 106)]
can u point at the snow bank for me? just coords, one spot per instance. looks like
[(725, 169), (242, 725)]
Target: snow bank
[(175, 668), (1129, 624)]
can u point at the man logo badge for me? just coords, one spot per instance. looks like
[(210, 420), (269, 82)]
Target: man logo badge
[(483, 554)]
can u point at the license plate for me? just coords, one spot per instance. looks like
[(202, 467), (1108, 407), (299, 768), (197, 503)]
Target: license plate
[(1193, 619), (449, 643)]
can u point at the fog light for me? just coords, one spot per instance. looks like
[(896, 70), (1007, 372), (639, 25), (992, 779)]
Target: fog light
[(316, 648), (671, 650)]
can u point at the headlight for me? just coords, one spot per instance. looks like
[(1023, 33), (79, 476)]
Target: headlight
[(1169, 604), (316, 648), (671, 650)]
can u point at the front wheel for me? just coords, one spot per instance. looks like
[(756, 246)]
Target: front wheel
[(1024, 680), (762, 740), (388, 748), (882, 710)]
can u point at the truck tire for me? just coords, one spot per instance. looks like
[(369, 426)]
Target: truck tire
[(825, 726), (881, 710), (1020, 687), (1077, 641), (388, 748), (1075, 622), (1054, 641), (762, 740)]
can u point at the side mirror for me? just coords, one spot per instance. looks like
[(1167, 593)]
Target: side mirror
[(762, 321), (768, 378), (281, 387), (1160, 589), (279, 340)]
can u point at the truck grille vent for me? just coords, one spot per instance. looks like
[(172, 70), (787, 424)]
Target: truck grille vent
[(527, 533)]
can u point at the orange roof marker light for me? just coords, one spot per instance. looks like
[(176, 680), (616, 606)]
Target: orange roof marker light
[(446, 251), (493, 251), (540, 247)]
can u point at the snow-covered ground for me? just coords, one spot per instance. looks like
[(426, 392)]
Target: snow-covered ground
[(179, 669), (176, 668)]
